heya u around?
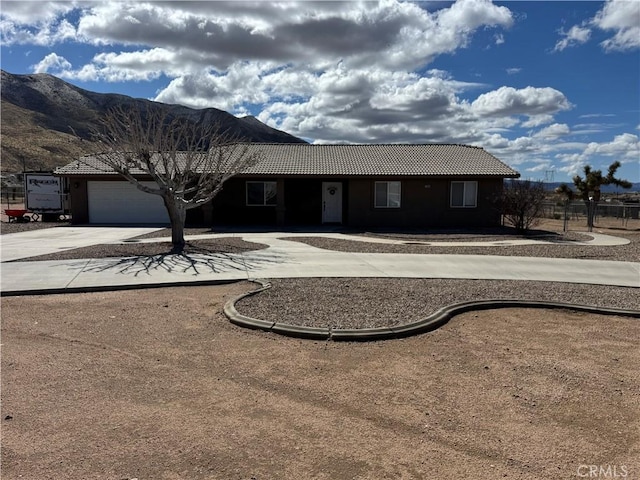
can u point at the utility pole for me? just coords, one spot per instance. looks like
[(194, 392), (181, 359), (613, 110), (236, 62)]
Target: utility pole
[(549, 175)]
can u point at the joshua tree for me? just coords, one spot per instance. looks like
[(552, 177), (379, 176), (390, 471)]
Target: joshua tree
[(568, 194), (188, 161), (589, 187)]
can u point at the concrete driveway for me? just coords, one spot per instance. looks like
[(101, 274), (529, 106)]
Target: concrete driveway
[(287, 259), (14, 246)]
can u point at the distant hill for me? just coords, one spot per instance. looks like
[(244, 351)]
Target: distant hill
[(40, 112), (635, 187), (551, 186)]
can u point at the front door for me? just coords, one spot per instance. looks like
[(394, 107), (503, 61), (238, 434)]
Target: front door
[(331, 202)]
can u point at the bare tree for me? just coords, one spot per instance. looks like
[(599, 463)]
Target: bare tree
[(522, 203), (589, 187), (188, 161)]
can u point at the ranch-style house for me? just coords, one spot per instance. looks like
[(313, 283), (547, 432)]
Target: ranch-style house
[(393, 185)]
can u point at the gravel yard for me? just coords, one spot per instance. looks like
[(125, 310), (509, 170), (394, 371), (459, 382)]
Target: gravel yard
[(481, 235), (383, 302), (14, 227), (556, 249), (203, 247)]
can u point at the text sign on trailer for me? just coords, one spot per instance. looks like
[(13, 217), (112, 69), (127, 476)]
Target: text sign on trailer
[(44, 193)]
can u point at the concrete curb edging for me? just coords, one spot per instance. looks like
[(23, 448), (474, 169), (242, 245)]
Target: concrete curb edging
[(257, 324), (112, 288), (433, 321)]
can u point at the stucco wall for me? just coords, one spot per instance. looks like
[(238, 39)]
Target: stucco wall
[(425, 203), (230, 208)]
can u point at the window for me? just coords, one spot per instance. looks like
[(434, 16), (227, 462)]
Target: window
[(261, 193), (387, 195), (464, 194)]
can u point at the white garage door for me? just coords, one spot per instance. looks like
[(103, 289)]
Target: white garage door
[(122, 202)]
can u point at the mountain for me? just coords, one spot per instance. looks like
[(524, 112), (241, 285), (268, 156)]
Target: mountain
[(40, 113), (635, 187)]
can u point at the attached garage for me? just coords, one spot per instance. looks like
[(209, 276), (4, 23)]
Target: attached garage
[(122, 203)]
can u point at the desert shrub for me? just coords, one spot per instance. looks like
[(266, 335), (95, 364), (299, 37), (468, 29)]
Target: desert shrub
[(521, 202)]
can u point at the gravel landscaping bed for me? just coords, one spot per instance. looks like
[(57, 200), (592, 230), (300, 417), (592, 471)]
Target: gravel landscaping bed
[(207, 246), (14, 227), (479, 235), (383, 302), (166, 232), (629, 253)]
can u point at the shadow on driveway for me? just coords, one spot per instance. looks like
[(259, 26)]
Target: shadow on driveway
[(194, 264)]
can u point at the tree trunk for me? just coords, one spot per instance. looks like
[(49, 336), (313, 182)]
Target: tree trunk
[(177, 216), (591, 213)]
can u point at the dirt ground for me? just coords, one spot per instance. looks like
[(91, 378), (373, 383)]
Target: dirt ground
[(157, 384)]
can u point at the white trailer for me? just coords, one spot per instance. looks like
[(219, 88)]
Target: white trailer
[(45, 195)]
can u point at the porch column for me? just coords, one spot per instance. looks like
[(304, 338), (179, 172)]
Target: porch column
[(280, 206)]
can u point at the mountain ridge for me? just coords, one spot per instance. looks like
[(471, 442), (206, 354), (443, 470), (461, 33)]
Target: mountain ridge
[(45, 120), (635, 187)]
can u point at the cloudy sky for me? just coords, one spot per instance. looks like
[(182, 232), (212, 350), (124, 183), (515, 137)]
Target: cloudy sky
[(545, 86)]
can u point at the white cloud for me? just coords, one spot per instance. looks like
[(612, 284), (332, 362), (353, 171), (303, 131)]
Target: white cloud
[(540, 166), (553, 131), (573, 163), (116, 67), (36, 23), (620, 16), (597, 115), (51, 63), (46, 35), (134, 66), (241, 85), (624, 147), (471, 14), (535, 121), (389, 33), (35, 12), (530, 101), (577, 35), (366, 81), (623, 17), (231, 54)]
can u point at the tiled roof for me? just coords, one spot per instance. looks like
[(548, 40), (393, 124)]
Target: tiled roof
[(91, 165), (353, 160)]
